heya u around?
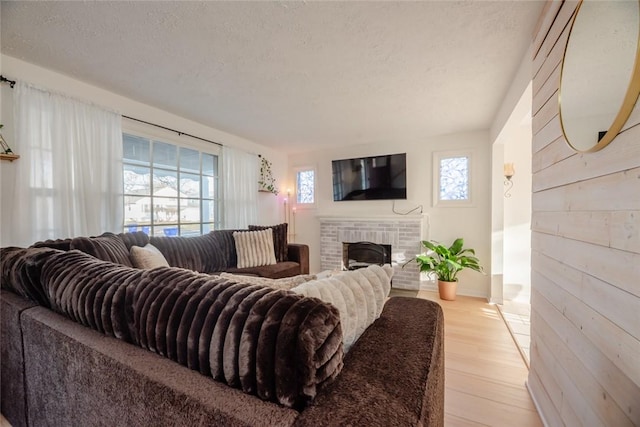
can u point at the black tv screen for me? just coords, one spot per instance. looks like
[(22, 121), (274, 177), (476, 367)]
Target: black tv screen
[(370, 178)]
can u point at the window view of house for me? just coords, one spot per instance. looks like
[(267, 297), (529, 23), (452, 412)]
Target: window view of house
[(169, 190)]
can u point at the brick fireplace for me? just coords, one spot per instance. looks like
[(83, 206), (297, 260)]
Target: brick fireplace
[(403, 233)]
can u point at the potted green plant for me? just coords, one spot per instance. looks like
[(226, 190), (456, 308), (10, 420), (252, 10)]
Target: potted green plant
[(446, 262)]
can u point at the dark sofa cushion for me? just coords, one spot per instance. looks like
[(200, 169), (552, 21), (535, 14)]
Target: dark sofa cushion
[(137, 238), (273, 271), (60, 244), (21, 270), (279, 239), (107, 247), (8, 258), (78, 377), (374, 388), (274, 344), (92, 292), (215, 252), (269, 343), (226, 245), (13, 392), (205, 254)]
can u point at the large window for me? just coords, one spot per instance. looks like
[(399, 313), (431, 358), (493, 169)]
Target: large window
[(169, 189)]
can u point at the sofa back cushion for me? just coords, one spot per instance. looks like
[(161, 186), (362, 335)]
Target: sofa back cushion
[(107, 247), (137, 238), (21, 270), (274, 344), (60, 244), (226, 246), (199, 253), (92, 292)]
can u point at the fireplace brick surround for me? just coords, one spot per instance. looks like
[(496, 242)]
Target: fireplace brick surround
[(403, 233)]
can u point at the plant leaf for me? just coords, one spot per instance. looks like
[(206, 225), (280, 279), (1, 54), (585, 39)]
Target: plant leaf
[(456, 247), (429, 245)]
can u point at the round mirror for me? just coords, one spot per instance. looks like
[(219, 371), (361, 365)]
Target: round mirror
[(600, 77)]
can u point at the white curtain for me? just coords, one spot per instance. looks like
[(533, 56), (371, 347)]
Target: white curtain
[(69, 177), (240, 188)]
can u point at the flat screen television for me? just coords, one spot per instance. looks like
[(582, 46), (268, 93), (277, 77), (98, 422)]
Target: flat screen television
[(370, 178)]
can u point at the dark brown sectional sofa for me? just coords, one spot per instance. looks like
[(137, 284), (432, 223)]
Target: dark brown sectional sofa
[(88, 341), (211, 253)]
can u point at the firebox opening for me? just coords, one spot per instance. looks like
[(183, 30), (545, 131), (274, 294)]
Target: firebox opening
[(363, 254)]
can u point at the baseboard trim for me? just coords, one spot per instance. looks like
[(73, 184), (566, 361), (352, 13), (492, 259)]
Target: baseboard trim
[(536, 404), (513, 336)]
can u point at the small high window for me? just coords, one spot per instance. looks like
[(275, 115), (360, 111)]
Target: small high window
[(305, 186), (452, 178)]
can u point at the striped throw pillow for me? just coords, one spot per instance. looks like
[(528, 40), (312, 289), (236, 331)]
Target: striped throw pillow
[(254, 248), (280, 245)]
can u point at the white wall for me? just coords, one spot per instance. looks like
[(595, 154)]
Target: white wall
[(511, 216), (585, 297), (497, 224), (517, 211), (515, 141), (15, 69), (441, 223)]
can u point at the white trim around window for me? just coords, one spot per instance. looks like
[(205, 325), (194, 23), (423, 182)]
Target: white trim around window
[(460, 179), (302, 195)]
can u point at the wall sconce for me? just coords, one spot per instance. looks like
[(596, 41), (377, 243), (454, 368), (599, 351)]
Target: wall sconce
[(509, 171)]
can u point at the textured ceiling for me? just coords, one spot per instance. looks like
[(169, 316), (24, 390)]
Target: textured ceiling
[(291, 75)]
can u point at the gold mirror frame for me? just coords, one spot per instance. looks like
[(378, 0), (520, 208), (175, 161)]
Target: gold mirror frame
[(628, 103)]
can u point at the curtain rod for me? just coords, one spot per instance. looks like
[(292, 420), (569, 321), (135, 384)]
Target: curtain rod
[(3, 79), (172, 130), (12, 83)]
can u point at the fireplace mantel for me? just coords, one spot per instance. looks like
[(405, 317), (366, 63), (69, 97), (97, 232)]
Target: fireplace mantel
[(411, 217)]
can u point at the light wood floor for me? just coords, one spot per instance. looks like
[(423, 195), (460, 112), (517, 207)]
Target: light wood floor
[(517, 316), (484, 371)]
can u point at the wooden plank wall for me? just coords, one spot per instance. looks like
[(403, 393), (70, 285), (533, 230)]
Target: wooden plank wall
[(585, 302)]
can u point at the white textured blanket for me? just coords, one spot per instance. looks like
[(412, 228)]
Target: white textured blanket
[(359, 295)]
